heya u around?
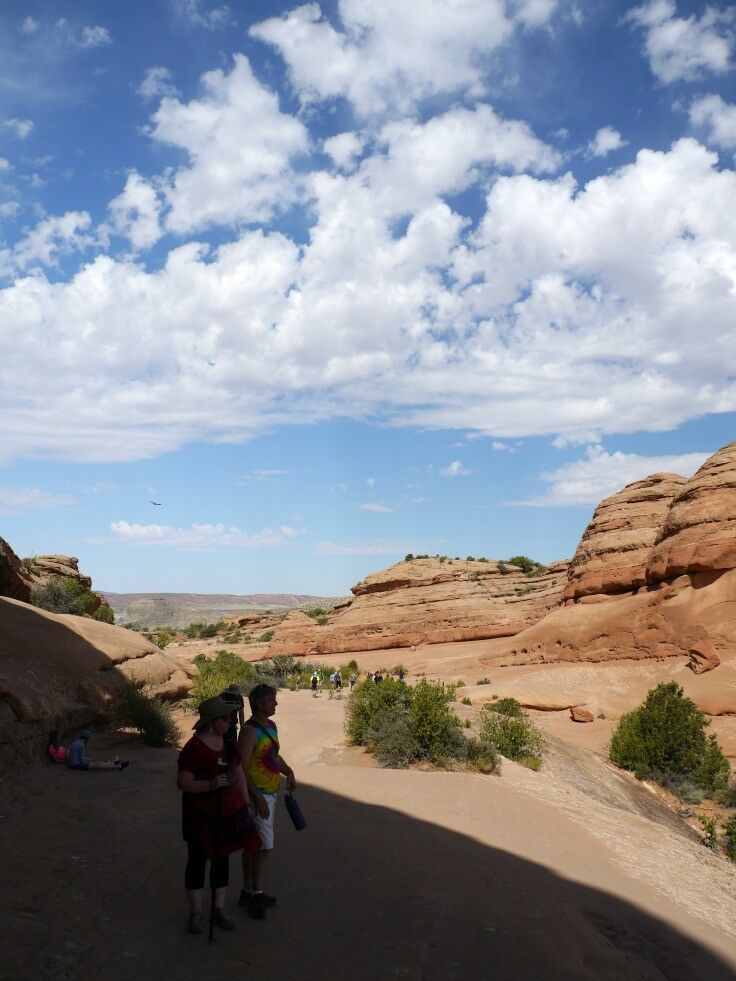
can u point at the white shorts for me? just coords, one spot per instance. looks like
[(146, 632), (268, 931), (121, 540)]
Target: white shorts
[(265, 825)]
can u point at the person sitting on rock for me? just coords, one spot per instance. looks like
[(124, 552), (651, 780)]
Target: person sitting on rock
[(56, 752), (78, 760)]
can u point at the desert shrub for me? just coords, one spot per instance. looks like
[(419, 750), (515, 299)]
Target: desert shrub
[(59, 596), (392, 739), (502, 568), (507, 706), (104, 614), (315, 611), (214, 674), (321, 621), (470, 558), (399, 667), (368, 700), (665, 737), (151, 717), (436, 728), (710, 834), (527, 565), (530, 762), (729, 837), (483, 681), (514, 736), (465, 701), (205, 631), (408, 557), (266, 636), (727, 796), (29, 563), (483, 756)]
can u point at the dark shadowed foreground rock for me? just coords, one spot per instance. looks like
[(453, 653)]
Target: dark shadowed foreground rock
[(15, 580)]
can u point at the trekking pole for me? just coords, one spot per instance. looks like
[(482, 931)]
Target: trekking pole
[(221, 767)]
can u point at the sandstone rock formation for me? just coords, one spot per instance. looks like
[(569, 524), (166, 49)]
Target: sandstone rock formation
[(699, 534), (61, 669), (676, 598), (15, 580), (614, 551), (426, 601)]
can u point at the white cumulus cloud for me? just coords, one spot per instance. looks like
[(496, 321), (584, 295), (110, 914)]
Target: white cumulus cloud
[(600, 473), (95, 37), (685, 48), (156, 83), (606, 140), (21, 127), (718, 117)]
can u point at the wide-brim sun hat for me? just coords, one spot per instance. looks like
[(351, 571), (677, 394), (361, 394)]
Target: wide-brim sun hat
[(211, 709)]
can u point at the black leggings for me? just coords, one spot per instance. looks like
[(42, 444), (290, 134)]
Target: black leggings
[(194, 875)]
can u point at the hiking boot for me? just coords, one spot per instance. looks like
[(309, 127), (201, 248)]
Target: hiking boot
[(245, 898), (223, 919), (196, 923), (256, 906)]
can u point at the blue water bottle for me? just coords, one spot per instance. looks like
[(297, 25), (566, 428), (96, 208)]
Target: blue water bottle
[(295, 812)]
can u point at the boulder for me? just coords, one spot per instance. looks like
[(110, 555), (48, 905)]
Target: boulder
[(699, 533), (614, 551), (580, 714), (45, 567), (703, 657)]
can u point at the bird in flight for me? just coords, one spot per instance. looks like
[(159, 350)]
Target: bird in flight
[(157, 504)]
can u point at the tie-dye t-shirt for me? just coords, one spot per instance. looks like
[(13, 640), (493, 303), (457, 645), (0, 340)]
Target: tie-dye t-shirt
[(263, 767)]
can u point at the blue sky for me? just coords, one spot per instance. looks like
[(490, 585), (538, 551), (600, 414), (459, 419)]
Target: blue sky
[(335, 282)]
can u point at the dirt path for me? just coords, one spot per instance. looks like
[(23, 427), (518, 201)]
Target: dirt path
[(399, 874)]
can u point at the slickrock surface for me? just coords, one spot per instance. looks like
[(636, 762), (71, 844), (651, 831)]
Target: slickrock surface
[(699, 534), (614, 551), (61, 666), (14, 578), (426, 601)]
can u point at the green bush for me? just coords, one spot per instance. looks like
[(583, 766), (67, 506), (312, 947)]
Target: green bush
[(465, 701), (710, 834), (527, 565), (435, 726), (315, 611), (216, 673), (665, 738), (266, 636), (514, 736), (408, 557), (59, 596), (368, 700), (104, 614), (729, 837), (483, 681), (392, 739), (151, 717), (483, 756), (507, 706)]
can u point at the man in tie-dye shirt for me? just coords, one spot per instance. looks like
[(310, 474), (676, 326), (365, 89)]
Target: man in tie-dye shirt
[(263, 765)]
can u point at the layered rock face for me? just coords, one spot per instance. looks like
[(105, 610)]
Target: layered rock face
[(61, 669), (699, 534), (673, 597), (426, 601), (614, 552)]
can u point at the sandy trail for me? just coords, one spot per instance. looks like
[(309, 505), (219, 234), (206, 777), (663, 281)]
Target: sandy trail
[(400, 874)]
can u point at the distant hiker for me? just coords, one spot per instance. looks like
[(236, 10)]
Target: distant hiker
[(263, 766), (314, 683), (377, 677), (77, 757), (401, 673), (352, 679), (215, 819), (337, 680), (233, 695), (369, 676), (55, 750)]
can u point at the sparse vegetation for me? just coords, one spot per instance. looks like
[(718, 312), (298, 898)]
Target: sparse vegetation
[(68, 595), (315, 612), (205, 631), (214, 674), (665, 739), (403, 725), (528, 566), (104, 613), (151, 717), (266, 636), (465, 701), (710, 832), (483, 681), (512, 732), (729, 837)]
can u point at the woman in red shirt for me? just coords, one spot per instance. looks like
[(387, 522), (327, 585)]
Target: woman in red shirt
[(55, 750), (215, 818)]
